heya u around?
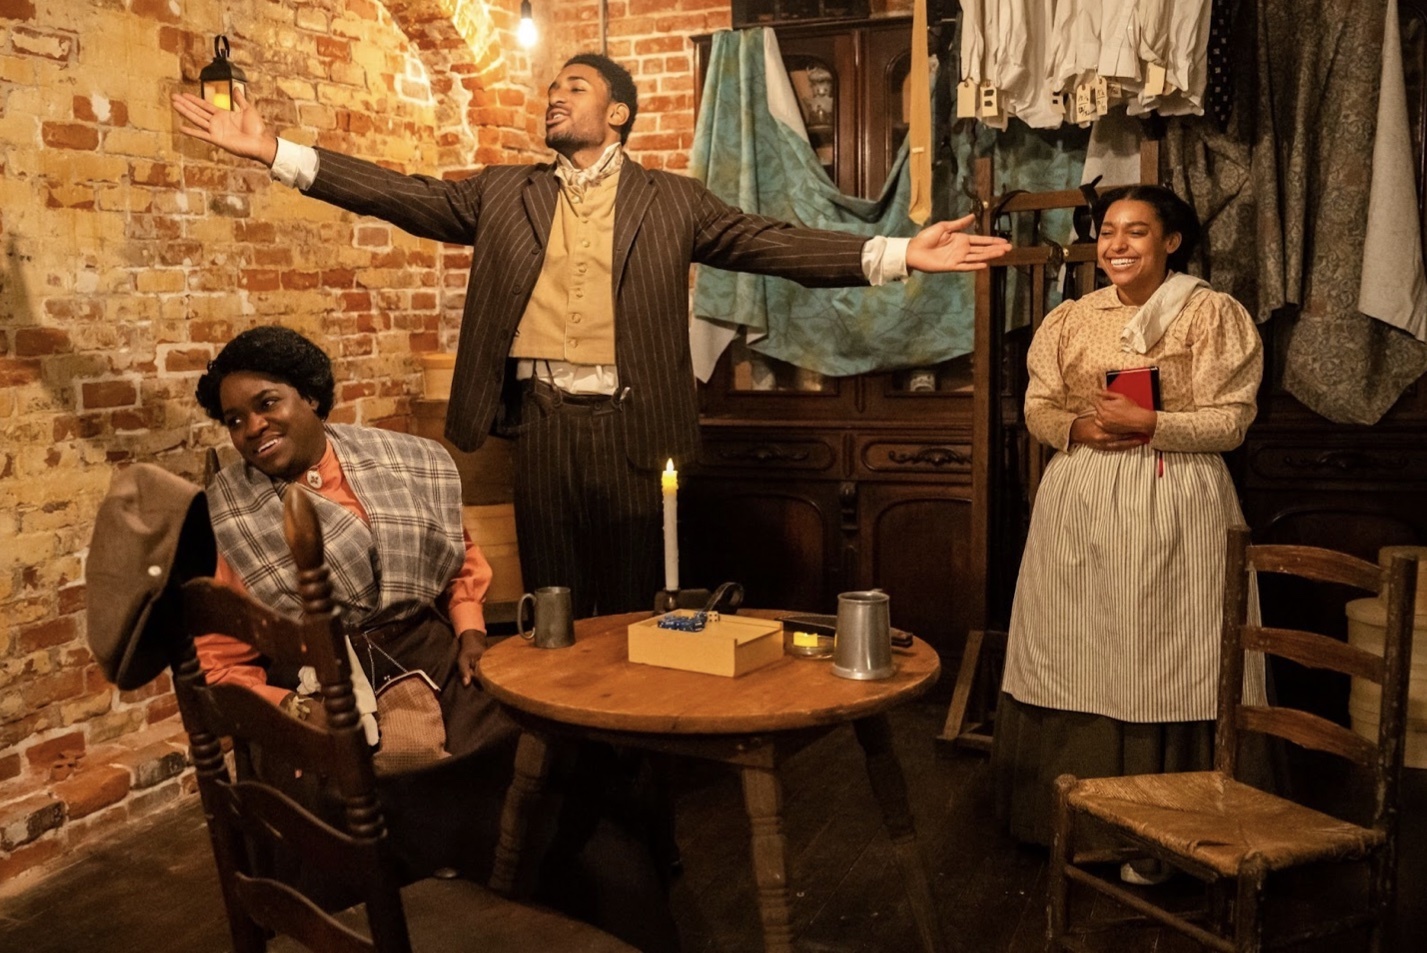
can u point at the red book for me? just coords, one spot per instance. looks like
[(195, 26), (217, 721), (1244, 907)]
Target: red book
[(1140, 384)]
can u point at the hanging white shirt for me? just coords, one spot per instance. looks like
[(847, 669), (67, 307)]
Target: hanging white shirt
[(1186, 61), (1119, 41), (1026, 88)]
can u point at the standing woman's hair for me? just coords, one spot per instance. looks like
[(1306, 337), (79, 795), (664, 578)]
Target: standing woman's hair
[(279, 353), (1175, 214)]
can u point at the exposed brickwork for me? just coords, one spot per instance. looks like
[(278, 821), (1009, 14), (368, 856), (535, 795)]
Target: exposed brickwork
[(26, 820), (129, 254), (89, 791)]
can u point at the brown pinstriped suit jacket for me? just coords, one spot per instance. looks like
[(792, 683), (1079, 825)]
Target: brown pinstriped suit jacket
[(663, 222)]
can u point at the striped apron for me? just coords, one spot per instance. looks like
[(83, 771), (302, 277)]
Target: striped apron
[(1120, 597)]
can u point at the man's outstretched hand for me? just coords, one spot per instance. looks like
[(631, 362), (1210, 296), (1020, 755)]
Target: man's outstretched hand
[(240, 131), (945, 246)]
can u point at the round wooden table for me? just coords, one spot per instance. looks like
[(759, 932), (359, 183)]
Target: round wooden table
[(752, 722)]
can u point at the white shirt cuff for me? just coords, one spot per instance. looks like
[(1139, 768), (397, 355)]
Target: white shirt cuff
[(295, 166), (883, 259)]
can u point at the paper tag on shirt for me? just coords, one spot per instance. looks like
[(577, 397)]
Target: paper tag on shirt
[(1084, 103), (1154, 80), (966, 99), (1102, 96), (989, 101), (1114, 90)]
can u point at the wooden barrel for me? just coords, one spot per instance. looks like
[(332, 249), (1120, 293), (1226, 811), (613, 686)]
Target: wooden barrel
[(1384, 559), (436, 373), (1367, 621), (487, 474)]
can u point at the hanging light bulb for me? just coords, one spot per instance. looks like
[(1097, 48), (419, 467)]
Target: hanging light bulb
[(526, 32)]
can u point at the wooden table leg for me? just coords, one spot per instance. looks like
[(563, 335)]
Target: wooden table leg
[(532, 764), (763, 797), (890, 788)]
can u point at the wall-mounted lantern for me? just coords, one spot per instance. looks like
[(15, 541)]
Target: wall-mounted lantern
[(220, 78)]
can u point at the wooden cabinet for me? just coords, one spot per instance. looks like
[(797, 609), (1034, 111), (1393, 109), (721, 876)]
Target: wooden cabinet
[(809, 486), (850, 78)]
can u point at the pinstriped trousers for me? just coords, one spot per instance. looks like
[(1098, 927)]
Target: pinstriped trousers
[(585, 516)]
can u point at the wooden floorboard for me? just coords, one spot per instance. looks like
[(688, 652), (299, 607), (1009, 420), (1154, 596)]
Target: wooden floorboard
[(154, 887)]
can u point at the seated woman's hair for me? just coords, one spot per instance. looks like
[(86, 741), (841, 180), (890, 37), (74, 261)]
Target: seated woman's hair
[(279, 353), (1175, 214)]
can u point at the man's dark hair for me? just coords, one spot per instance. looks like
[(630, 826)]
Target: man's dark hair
[(279, 353), (620, 83), (1176, 215)]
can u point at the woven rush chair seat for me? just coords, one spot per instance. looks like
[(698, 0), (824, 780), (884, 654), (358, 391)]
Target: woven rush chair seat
[(1235, 839), (1220, 822)]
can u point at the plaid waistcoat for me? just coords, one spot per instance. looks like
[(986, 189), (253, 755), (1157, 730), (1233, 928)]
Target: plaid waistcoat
[(382, 572)]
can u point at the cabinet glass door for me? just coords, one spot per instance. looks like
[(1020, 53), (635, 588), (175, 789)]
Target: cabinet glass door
[(816, 88)]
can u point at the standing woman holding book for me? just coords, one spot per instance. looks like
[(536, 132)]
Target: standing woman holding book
[(1114, 642)]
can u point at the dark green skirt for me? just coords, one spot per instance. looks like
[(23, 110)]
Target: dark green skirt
[(1033, 746)]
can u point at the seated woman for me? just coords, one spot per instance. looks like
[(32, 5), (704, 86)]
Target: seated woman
[(409, 585), (1113, 656), (408, 581)]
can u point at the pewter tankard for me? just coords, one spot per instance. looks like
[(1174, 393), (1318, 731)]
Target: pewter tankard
[(552, 613), (862, 647)]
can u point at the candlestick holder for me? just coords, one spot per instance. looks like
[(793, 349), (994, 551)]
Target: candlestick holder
[(667, 600), (726, 598)]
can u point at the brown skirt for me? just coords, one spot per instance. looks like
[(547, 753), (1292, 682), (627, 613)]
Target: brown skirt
[(1033, 746)]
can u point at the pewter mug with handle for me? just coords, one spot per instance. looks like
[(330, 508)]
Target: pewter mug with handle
[(862, 647), (552, 617)]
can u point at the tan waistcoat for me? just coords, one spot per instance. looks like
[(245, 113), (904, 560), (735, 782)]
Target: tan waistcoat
[(570, 315)]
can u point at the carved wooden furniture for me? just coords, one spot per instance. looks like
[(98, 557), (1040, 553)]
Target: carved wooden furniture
[(1237, 838), (752, 723), (761, 12), (252, 821)]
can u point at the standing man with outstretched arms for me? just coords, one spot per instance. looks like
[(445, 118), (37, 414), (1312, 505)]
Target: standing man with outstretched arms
[(574, 337)]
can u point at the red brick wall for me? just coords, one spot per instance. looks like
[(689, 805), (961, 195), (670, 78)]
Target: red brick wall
[(129, 254)]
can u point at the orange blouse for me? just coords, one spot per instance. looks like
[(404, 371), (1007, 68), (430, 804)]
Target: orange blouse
[(228, 660)]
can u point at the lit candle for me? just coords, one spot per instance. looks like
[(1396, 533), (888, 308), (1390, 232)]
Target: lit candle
[(222, 101), (669, 483)]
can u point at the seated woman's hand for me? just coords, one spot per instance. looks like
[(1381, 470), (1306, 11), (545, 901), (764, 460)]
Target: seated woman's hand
[(1088, 431), (473, 645), (1118, 414)]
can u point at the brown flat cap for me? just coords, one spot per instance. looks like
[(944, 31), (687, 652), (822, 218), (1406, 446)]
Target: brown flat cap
[(151, 535)]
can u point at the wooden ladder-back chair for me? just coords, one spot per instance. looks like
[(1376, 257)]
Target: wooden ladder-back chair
[(251, 821), (1233, 836)]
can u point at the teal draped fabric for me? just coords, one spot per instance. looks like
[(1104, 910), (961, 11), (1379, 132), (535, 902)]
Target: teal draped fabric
[(750, 159)]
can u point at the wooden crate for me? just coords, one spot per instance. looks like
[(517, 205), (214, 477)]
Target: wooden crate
[(732, 645)]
